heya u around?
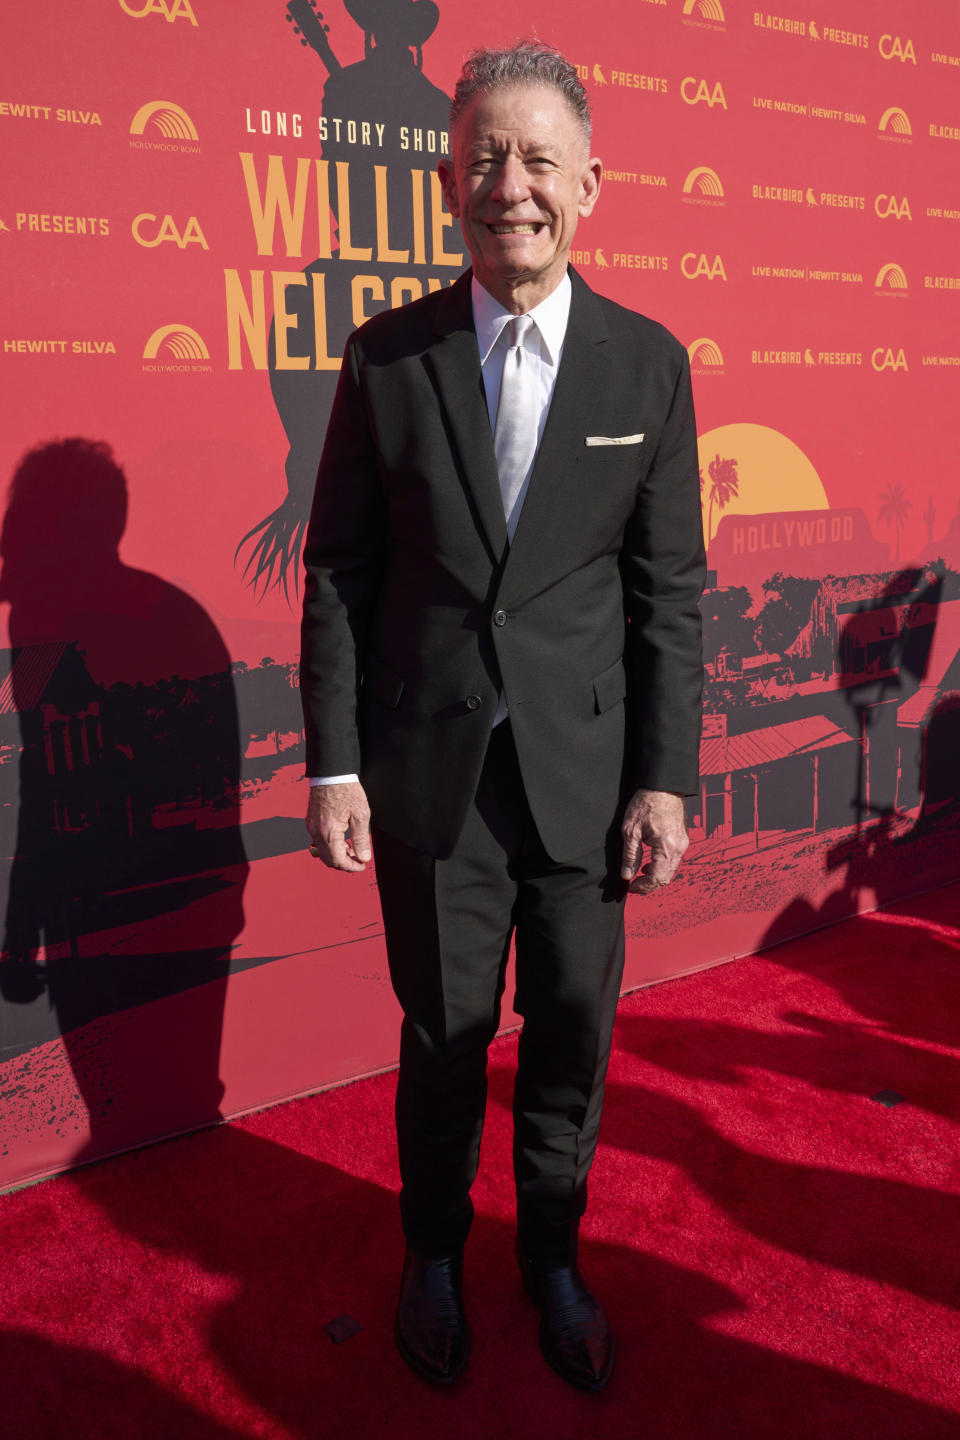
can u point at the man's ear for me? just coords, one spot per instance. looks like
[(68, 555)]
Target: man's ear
[(448, 182), (590, 185)]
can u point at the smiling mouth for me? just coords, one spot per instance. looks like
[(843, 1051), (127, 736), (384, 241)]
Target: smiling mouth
[(527, 227)]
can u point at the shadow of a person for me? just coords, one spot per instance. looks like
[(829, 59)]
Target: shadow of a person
[(885, 649), (68, 1392), (126, 883), (796, 1206), (708, 1358), (939, 766), (396, 241), (887, 641)]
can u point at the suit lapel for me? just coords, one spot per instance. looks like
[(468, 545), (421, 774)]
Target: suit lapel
[(583, 376), (455, 363), (582, 379)]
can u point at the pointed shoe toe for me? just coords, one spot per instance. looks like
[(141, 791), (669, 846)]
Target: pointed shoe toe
[(575, 1334), (431, 1329)]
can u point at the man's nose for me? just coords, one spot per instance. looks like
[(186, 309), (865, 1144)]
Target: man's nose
[(511, 186)]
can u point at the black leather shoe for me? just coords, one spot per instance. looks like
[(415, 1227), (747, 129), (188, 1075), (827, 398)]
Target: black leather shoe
[(431, 1330), (575, 1334)]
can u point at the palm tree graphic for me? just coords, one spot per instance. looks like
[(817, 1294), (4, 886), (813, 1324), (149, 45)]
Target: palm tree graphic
[(893, 510), (724, 487)]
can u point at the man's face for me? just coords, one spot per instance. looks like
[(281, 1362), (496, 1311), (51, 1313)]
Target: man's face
[(521, 177)]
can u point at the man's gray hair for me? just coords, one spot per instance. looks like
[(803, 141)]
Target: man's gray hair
[(528, 62)]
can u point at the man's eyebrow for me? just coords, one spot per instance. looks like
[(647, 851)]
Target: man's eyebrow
[(485, 143)]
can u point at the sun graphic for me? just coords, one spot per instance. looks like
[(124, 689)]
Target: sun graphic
[(770, 474)]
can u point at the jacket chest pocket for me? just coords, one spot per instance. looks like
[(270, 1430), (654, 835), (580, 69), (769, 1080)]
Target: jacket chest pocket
[(609, 478)]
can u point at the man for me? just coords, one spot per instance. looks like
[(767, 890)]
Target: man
[(501, 653)]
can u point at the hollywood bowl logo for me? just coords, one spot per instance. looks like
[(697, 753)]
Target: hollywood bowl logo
[(706, 14), (891, 280), (895, 125), (176, 347), (703, 186), (706, 357), (169, 122)]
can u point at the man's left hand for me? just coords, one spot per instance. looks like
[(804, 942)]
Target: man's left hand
[(655, 818)]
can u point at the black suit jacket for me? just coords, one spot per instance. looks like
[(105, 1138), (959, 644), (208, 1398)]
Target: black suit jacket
[(417, 610)]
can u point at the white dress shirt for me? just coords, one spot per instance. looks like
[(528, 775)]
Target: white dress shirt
[(544, 347)]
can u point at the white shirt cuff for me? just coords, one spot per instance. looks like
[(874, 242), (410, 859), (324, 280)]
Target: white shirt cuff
[(334, 779)]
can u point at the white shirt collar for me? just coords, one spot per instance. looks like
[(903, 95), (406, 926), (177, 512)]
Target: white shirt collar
[(551, 315)]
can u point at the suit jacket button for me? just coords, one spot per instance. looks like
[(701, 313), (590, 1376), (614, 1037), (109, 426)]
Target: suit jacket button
[(500, 617), (474, 702)]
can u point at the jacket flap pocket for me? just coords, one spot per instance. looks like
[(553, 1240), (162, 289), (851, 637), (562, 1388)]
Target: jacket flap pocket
[(382, 682), (610, 686)]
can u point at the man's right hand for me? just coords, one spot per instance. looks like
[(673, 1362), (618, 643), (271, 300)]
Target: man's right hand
[(338, 823)]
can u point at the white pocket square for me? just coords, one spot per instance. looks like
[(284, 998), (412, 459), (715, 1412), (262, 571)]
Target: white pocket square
[(613, 439)]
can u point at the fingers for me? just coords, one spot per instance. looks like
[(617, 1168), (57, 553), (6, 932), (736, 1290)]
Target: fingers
[(659, 870), (334, 852), (632, 846), (359, 841), (338, 823), (657, 818), (643, 885), (340, 852)]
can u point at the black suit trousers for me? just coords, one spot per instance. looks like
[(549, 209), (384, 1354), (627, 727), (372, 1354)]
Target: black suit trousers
[(448, 928)]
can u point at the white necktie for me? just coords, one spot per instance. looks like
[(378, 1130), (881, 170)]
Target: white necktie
[(515, 435)]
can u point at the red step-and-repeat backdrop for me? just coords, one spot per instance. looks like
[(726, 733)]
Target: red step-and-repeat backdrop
[(201, 201)]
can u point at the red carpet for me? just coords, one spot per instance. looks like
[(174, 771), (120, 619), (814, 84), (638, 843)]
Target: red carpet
[(780, 1253)]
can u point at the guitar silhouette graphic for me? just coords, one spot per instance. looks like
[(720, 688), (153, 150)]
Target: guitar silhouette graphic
[(406, 114), (308, 23)]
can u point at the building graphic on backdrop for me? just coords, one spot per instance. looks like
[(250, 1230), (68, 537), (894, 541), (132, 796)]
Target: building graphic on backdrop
[(120, 785), (831, 677), (393, 200), (128, 742)]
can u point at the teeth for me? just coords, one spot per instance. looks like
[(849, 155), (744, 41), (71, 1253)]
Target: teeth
[(528, 229)]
